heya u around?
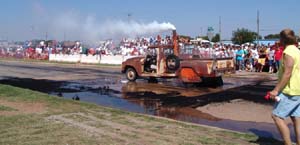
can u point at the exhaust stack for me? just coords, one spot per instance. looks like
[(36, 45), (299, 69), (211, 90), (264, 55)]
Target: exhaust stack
[(175, 43)]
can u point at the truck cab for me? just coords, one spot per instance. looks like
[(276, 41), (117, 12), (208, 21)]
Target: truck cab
[(159, 62)]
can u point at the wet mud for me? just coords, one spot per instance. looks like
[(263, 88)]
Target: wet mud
[(167, 98)]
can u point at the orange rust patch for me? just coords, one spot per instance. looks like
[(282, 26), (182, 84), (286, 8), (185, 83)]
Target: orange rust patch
[(22, 107), (189, 75)]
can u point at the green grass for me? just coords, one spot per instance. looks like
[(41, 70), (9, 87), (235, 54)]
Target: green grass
[(32, 129), (6, 108), (111, 126)]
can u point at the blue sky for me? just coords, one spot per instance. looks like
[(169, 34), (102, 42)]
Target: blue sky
[(27, 19)]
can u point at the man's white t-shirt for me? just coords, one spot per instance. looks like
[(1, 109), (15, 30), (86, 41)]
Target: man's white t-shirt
[(254, 53)]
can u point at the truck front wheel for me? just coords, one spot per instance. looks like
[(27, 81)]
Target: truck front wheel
[(219, 81), (131, 74)]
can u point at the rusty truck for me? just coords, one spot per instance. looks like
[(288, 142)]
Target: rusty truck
[(166, 61)]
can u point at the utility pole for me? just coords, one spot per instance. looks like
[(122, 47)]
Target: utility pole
[(200, 35), (46, 36), (32, 29), (257, 37), (64, 36), (299, 35), (220, 28), (129, 17)]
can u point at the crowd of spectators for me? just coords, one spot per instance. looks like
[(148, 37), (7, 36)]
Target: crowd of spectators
[(259, 58), (247, 57)]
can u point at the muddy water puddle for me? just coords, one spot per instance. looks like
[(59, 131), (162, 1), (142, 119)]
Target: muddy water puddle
[(165, 99)]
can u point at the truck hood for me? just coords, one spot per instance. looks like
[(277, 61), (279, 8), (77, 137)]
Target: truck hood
[(132, 58)]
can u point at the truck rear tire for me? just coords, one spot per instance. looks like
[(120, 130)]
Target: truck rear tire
[(213, 81), (131, 74), (173, 63)]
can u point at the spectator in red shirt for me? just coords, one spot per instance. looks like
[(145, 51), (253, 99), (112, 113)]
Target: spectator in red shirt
[(278, 55)]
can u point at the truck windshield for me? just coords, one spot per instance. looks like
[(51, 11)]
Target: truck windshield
[(168, 51), (187, 49), (151, 52)]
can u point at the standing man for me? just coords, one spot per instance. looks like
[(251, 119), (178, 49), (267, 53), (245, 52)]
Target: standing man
[(278, 55), (240, 58), (271, 54), (254, 56), (288, 88)]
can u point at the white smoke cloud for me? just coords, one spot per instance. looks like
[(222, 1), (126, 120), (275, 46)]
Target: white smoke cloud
[(133, 28), (91, 29)]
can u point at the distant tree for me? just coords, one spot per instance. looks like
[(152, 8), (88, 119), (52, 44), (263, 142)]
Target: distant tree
[(216, 38), (184, 37), (272, 36), (204, 37), (19, 43), (241, 36)]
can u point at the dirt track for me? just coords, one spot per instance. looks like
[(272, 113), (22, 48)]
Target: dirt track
[(239, 103)]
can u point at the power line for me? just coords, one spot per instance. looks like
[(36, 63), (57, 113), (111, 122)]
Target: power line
[(268, 29)]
